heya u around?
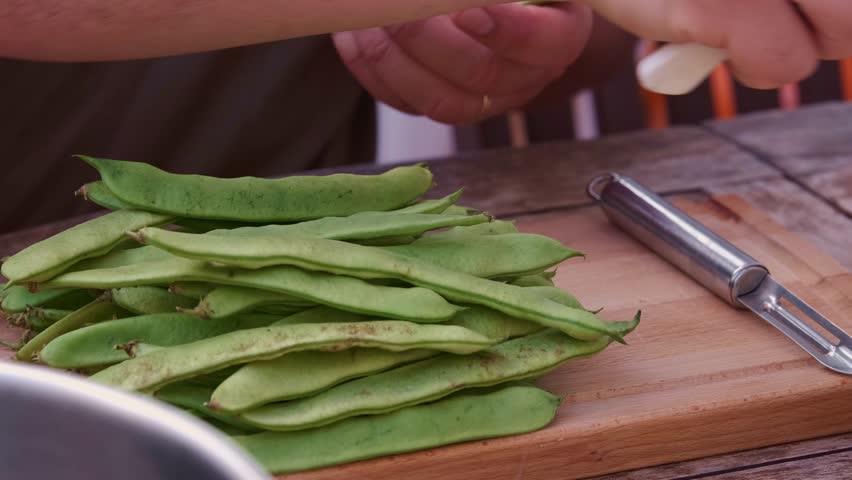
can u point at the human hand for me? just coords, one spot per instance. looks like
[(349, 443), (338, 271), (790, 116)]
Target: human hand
[(468, 66), (769, 42)]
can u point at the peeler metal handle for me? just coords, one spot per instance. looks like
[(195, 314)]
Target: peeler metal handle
[(718, 265)]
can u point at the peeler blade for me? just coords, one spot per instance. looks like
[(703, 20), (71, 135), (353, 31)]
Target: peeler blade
[(767, 302)]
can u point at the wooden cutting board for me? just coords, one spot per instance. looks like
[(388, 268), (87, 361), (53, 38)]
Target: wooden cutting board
[(697, 378)]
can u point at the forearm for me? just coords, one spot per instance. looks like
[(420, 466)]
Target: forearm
[(609, 50), (96, 30)]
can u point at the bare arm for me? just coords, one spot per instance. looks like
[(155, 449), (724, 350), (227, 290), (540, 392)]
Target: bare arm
[(100, 30)]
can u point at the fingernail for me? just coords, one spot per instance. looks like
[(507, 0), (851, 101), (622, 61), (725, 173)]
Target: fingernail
[(475, 21), (346, 46)]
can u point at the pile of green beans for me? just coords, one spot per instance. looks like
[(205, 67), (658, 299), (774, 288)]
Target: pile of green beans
[(298, 313)]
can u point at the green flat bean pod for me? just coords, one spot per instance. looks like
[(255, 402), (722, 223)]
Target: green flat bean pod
[(494, 324), (145, 300), (121, 258), (301, 374), (465, 416), (19, 299), (437, 205), (426, 381), (305, 373), (196, 290), (39, 319), (489, 256), (194, 397), (344, 292), (494, 227), (98, 193), (366, 262), (225, 301), (362, 226), (151, 371), (252, 199), (47, 258), (98, 310), (108, 343), (544, 279)]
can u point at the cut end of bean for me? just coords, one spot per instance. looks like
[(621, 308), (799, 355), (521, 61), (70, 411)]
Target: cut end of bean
[(622, 329), (138, 236), (82, 192)]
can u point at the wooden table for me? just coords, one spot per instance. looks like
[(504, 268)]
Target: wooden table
[(794, 166)]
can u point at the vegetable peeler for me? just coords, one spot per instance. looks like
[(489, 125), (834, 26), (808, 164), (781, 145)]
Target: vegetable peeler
[(719, 266)]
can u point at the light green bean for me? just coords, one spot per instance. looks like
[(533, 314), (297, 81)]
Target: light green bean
[(50, 257), (339, 291), (302, 374), (19, 299), (367, 262), (98, 310), (112, 342), (426, 381), (98, 193), (489, 256), (252, 199), (225, 301), (145, 300), (305, 373), (168, 365), (466, 416), (437, 205), (195, 398)]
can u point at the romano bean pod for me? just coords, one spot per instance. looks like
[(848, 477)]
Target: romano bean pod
[(343, 258), (225, 301), (301, 374), (339, 291), (146, 300), (466, 416), (168, 365), (112, 342), (47, 258), (98, 310), (426, 381), (252, 199)]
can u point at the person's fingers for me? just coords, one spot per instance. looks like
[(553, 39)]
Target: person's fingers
[(427, 93), (361, 68), (768, 43), (441, 47), (530, 35), (832, 24)]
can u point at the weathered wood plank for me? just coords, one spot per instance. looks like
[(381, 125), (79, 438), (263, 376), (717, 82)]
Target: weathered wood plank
[(812, 139), (554, 175), (816, 468), (833, 185), (800, 212), (789, 453)]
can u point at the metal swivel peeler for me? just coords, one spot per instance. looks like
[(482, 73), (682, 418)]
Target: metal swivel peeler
[(718, 265)]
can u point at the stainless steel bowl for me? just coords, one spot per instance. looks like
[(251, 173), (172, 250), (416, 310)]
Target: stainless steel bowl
[(59, 426)]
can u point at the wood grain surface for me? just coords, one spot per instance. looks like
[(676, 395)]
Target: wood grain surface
[(697, 378), (694, 397)]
